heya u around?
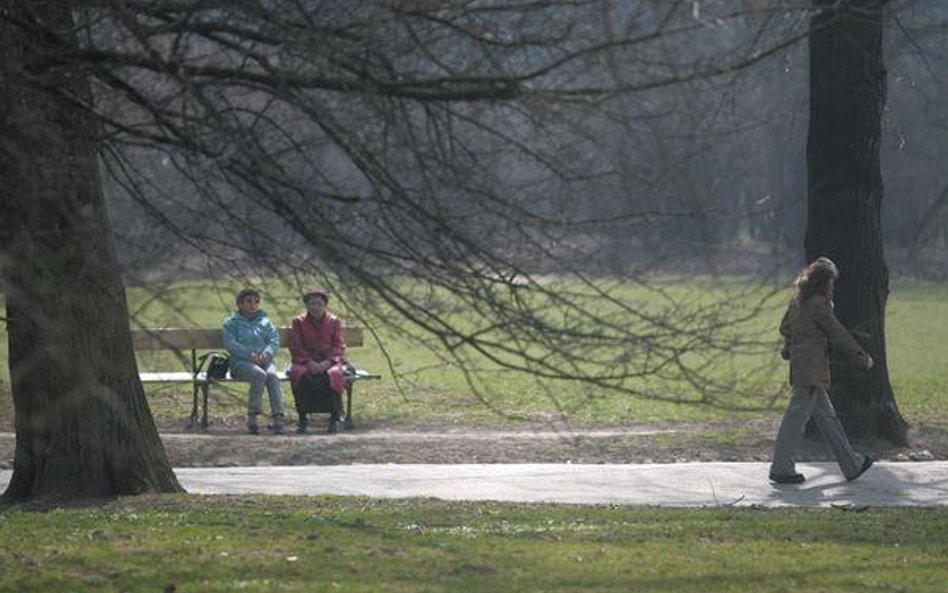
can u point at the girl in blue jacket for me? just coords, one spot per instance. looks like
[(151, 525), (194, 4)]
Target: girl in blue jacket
[(253, 341)]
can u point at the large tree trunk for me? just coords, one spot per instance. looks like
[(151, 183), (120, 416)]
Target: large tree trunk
[(847, 96), (83, 427)]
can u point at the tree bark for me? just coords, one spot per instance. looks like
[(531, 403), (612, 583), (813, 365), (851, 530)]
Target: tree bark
[(847, 96), (83, 427)]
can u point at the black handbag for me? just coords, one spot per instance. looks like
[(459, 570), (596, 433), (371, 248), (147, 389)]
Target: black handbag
[(215, 364)]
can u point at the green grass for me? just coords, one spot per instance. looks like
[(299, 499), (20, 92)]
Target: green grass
[(429, 389), (917, 348), (209, 544)]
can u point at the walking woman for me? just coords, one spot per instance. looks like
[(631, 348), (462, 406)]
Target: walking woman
[(808, 327)]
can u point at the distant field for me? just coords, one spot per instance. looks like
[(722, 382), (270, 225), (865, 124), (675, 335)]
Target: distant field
[(429, 389)]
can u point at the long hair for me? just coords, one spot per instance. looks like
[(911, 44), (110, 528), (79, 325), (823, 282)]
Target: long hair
[(816, 278)]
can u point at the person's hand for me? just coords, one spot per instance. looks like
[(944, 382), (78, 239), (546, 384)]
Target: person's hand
[(869, 362), (318, 367)]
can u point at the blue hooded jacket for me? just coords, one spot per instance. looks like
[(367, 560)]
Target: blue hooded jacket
[(246, 336)]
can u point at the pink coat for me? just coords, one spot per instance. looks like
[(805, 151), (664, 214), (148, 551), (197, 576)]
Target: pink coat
[(316, 341)]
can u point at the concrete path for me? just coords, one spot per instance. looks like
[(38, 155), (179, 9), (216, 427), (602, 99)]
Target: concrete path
[(680, 484), (676, 485)]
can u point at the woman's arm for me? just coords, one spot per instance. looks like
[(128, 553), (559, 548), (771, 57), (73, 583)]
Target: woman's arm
[(836, 333), (337, 344), (272, 338), (785, 332), (298, 352)]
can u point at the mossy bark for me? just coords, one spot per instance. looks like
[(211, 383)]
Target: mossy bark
[(83, 427)]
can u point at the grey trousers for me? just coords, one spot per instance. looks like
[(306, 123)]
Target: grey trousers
[(807, 401), (258, 379)]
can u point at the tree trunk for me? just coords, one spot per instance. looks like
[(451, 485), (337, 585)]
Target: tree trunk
[(847, 96), (83, 427)]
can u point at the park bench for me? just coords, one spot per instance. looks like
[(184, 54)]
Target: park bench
[(196, 340)]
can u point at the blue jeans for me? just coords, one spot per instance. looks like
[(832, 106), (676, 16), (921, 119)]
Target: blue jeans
[(258, 378)]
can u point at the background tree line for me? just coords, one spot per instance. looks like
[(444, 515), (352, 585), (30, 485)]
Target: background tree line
[(706, 175)]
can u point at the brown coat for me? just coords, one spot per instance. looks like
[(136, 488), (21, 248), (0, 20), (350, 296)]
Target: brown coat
[(807, 330)]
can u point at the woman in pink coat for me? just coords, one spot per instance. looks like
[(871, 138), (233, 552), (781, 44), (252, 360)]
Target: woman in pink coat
[(808, 327), (318, 350)]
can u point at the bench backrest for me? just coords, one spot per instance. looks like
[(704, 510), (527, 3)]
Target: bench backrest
[(211, 338)]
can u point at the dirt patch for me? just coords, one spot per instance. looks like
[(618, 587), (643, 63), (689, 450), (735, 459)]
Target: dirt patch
[(228, 445)]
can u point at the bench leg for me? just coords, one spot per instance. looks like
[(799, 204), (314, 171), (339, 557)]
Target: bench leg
[(349, 404), (194, 405), (204, 388)]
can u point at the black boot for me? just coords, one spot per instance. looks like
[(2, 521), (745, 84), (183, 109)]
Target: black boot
[(334, 424), (252, 426), (301, 425)]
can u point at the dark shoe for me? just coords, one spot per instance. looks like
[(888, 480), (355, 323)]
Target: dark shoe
[(301, 425), (787, 478), (277, 426), (866, 464), (253, 429), (334, 425)]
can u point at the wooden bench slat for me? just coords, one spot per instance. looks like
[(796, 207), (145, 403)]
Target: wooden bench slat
[(212, 338), (160, 377), (181, 377)]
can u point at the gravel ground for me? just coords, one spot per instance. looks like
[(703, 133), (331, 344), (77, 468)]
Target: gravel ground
[(376, 443)]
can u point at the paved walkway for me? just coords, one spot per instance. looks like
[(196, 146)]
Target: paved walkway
[(677, 484)]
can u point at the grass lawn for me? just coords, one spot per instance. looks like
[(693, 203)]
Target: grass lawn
[(187, 543), (430, 390), (192, 543)]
